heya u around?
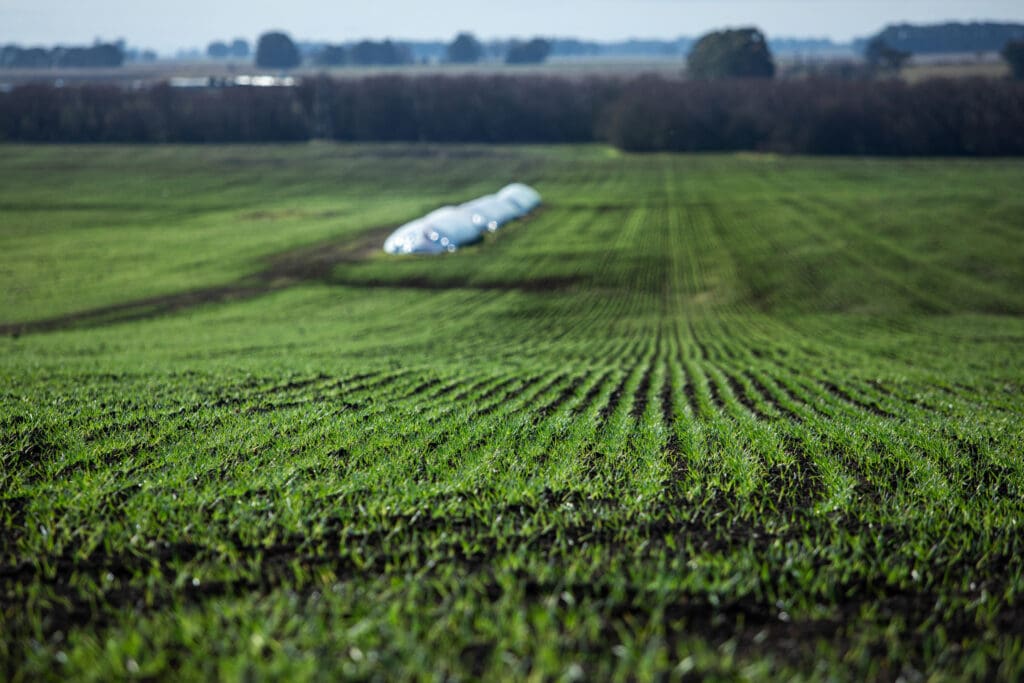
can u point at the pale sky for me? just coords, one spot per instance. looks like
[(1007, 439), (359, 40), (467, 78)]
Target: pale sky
[(167, 26)]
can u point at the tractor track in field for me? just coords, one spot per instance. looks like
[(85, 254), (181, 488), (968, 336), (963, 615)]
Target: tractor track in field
[(284, 270), (294, 267)]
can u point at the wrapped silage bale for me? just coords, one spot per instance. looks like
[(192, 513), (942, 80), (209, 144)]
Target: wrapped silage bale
[(491, 212), (451, 227), (523, 196), (411, 238)]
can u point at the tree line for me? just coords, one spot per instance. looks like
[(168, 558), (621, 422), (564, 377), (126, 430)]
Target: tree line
[(464, 49), (363, 53), (963, 117), (950, 37), (236, 49), (94, 56), (743, 52)]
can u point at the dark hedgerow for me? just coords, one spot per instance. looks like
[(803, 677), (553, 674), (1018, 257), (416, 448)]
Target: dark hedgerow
[(815, 116), (934, 118)]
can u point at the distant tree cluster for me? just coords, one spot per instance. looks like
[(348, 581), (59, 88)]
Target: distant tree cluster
[(385, 53), (533, 51), (363, 53), (739, 53), (465, 49), (950, 37), (140, 56), (236, 49), (275, 50), (95, 56), (331, 55), (812, 116)]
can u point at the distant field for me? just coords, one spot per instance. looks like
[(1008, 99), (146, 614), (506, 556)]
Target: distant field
[(720, 416), (162, 71), (964, 66), (915, 73)]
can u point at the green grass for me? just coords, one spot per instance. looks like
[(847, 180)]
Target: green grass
[(701, 416)]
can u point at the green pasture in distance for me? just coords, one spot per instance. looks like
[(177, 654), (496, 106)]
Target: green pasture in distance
[(726, 416)]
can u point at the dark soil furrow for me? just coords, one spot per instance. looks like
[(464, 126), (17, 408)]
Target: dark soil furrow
[(844, 396), (829, 389), (497, 401), (471, 389), (713, 394), (421, 388), (702, 350), (486, 436), (797, 485), (615, 398), (447, 389), (690, 393), (339, 407), (795, 398), (740, 392), (500, 400), (678, 469), (974, 472), (862, 488), (497, 389), (591, 394), (377, 380), (770, 400), (640, 398), (563, 396)]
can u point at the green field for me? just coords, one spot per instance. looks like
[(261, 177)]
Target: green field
[(700, 416)]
